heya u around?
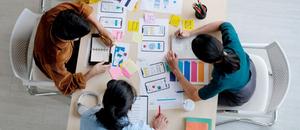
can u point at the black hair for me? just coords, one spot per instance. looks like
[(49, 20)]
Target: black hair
[(209, 49), (117, 101), (69, 25)]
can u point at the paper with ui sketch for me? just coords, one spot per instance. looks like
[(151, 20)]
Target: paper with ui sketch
[(139, 110), (154, 82), (155, 40), (112, 16), (163, 6), (127, 4)]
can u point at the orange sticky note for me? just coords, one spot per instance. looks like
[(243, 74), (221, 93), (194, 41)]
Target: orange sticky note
[(196, 126), (174, 20), (188, 24)]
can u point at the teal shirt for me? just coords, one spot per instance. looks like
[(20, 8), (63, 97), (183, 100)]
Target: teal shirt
[(228, 82)]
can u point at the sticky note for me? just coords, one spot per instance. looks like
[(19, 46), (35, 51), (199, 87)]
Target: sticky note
[(149, 18), (133, 26), (118, 35), (196, 126), (128, 68), (115, 72), (174, 20), (188, 24), (137, 37)]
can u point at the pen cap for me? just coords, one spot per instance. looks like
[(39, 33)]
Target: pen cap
[(188, 105)]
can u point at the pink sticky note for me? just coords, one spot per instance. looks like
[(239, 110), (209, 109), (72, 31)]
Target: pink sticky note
[(115, 72), (126, 73), (149, 18), (118, 35)]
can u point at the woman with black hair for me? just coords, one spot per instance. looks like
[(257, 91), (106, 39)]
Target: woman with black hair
[(55, 50), (117, 101), (233, 76)]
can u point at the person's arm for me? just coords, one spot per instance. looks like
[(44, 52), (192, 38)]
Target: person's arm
[(104, 34), (97, 69), (190, 90), (208, 28)]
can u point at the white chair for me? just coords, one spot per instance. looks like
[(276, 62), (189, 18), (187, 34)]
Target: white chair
[(21, 49), (272, 84)]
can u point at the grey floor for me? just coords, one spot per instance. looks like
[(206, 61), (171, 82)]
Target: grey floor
[(255, 21)]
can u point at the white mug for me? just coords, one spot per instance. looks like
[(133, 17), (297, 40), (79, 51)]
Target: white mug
[(188, 105)]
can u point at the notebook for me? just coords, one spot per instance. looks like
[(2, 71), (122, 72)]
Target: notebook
[(139, 110), (99, 51), (197, 123)]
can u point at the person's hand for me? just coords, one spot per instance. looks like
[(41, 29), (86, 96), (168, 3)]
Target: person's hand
[(99, 68), (160, 122), (172, 60), (182, 34)]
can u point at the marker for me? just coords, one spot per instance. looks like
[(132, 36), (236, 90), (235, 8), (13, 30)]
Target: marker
[(180, 91), (166, 99), (159, 110)]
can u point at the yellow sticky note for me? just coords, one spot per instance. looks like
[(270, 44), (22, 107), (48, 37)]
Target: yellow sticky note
[(133, 26), (188, 24), (174, 20), (137, 37)]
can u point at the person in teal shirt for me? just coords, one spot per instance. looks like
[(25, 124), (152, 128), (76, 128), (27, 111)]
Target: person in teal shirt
[(117, 102), (233, 76)]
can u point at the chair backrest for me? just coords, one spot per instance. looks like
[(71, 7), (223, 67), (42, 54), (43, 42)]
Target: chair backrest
[(19, 42), (280, 75)]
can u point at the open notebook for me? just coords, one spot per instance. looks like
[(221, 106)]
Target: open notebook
[(99, 51)]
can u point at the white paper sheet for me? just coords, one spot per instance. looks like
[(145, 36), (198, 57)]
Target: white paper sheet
[(128, 4), (163, 6), (111, 15), (139, 110), (183, 47), (158, 88), (155, 42)]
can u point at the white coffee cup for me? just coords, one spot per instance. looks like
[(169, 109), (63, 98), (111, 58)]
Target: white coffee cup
[(188, 105)]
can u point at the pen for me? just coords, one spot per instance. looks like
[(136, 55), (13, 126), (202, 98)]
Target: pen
[(180, 91), (159, 110)]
